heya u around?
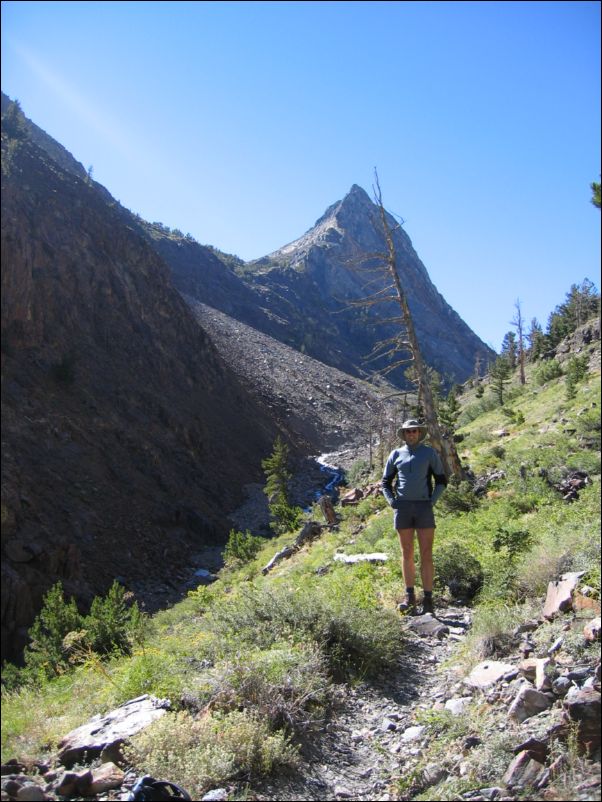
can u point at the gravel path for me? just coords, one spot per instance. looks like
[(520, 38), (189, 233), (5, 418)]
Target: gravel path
[(372, 738)]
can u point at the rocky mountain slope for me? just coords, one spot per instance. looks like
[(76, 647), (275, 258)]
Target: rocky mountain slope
[(123, 430)]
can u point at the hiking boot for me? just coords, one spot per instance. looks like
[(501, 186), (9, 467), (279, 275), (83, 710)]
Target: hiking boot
[(427, 605), (408, 605)]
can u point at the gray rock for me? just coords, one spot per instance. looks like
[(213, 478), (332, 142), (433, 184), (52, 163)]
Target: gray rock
[(413, 733), (115, 727), (457, 706), (31, 793), (561, 686), (529, 702), (217, 795), (488, 673)]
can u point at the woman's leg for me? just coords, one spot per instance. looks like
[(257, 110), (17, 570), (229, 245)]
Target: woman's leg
[(425, 544), (406, 539)]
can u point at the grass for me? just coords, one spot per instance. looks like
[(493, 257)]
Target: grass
[(249, 662)]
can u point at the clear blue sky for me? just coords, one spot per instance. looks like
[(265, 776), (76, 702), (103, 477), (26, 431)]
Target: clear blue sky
[(239, 123)]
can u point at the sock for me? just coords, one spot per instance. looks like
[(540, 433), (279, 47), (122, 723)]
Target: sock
[(428, 594), (410, 591)]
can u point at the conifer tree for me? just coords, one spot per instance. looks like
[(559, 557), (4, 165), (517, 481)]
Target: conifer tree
[(517, 322), (500, 375), (536, 339), (275, 467), (509, 348)]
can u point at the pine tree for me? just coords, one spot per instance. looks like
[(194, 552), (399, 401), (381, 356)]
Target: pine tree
[(500, 375), (57, 618), (275, 467), (537, 340), (581, 303), (509, 348)]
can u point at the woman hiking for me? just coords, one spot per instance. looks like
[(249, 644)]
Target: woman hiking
[(417, 467)]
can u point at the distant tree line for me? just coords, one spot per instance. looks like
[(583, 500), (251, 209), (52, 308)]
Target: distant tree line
[(582, 302)]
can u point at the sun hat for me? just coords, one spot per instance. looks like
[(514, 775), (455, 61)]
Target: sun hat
[(412, 423)]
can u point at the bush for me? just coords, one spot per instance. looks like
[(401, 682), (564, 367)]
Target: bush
[(359, 471), (242, 547), (458, 570), (547, 371), (111, 625), (352, 638), (207, 752), (588, 425), (46, 654), (576, 371), (61, 637), (458, 497), (285, 686), (512, 542)]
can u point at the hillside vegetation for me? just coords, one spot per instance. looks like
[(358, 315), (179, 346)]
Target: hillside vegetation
[(251, 663)]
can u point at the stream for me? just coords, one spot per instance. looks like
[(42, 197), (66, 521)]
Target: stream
[(335, 473)]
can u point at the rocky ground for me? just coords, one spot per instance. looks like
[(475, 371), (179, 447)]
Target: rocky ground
[(379, 742), (317, 404), (373, 738)]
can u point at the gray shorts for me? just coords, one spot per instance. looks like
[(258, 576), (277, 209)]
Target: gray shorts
[(414, 515)]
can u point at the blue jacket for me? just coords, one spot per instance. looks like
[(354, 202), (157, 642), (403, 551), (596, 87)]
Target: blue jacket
[(415, 468)]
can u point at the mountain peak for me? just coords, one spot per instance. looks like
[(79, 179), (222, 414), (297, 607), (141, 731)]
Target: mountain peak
[(331, 225)]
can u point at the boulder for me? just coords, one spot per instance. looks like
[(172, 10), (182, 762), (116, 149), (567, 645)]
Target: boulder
[(352, 497), (559, 597), (105, 778), (487, 673), (528, 702), (582, 705), (376, 557), (524, 770), (591, 630), (114, 727)]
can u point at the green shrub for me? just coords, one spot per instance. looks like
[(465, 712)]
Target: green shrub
[(458, 497), (588, 425), (112, 626), (547, 371), (242, 547), (352, 638), (46, 654), (499, 452), (457, 569), (207, 752), (286, 686), (359, 471), (512, 542), (60, 637)]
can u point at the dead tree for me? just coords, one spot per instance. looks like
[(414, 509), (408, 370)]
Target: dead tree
[(402, 347), (517, 322)]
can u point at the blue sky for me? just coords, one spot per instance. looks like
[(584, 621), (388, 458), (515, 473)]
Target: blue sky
[(239, 123)]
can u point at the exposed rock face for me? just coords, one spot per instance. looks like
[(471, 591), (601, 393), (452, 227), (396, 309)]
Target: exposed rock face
[(321, 261), (126, 439)]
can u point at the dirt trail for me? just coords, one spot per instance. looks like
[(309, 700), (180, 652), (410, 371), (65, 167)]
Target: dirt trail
[(373, 738)]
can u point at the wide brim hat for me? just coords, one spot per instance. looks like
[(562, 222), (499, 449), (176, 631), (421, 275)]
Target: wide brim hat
[(412, 424)]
